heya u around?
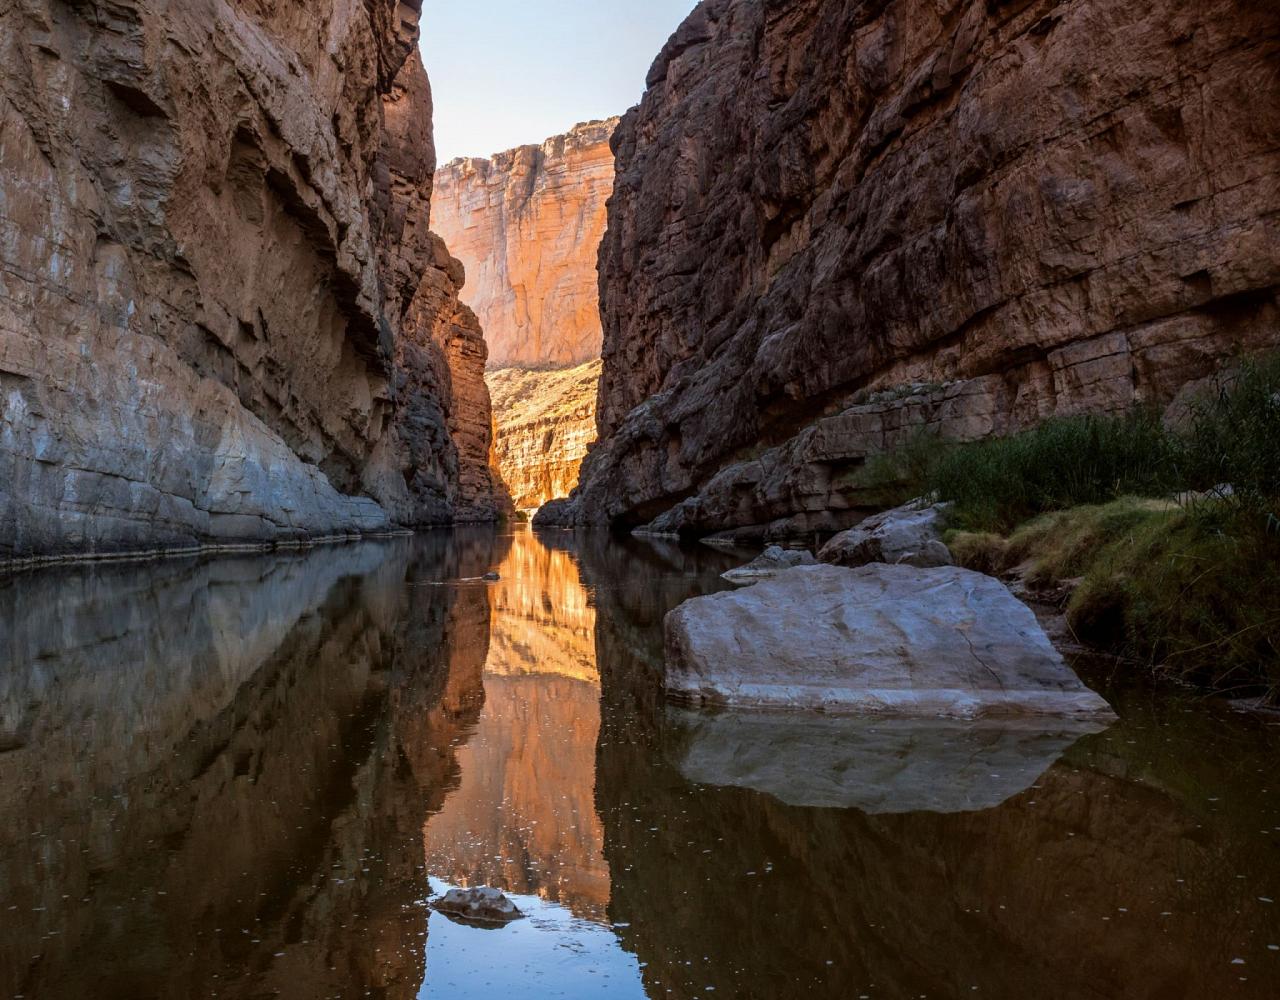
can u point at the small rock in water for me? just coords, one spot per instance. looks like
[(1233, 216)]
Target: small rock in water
[(910, 535), (492, 577), (484, 905), (774, 561)]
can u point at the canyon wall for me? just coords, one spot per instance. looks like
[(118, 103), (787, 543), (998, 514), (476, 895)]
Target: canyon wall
[(545, 421), (222, 314), (528, 224), (836, 223)]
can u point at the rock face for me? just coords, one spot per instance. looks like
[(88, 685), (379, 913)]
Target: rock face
[(890, 640), (222, 314), (910, 535), (837, 222), (528, 224), (544, 421)]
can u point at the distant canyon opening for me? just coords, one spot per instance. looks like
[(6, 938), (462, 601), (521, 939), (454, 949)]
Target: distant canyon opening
[(527, 224)]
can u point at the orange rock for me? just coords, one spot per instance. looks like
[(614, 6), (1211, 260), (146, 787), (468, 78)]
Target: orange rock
[(527, 224), (545, 422)]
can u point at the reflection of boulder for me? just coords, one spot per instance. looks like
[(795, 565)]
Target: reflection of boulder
[(879, 639), (877, 765)]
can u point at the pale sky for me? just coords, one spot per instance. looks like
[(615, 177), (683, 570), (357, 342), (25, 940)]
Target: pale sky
[(511, 72)]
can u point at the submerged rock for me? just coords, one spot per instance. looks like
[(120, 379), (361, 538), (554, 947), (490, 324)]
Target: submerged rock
[(483, 905), (877, 765), (775, 560), (911, 535), (893, 640)]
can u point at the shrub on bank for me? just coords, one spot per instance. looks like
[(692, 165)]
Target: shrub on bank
[(1001, 483), (1231, 436), (1168, 537), (1194, 592)]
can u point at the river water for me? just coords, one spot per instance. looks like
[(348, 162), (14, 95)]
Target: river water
[(246, 777)]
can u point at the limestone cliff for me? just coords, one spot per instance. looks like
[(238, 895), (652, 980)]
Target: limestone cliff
[(545, 421), (528, 224), (836, 222), (222, 315)]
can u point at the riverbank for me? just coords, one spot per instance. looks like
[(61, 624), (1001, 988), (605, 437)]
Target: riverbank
[(23, 564), (1157, 535)]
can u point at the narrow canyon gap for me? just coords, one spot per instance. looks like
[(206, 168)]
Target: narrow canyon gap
[(527, 224)]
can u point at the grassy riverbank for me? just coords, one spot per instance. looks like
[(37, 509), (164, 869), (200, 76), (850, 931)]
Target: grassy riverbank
[(1163, 540)]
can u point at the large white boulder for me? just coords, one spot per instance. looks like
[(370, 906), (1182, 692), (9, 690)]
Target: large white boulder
[(892, 640), (911, 535)]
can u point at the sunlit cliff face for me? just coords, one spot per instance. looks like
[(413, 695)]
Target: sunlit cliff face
[(524, 817), (544, 424)]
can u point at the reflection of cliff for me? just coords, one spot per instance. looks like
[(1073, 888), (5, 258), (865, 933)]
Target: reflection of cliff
[(523, 816), (223, 767), (1112, 877)]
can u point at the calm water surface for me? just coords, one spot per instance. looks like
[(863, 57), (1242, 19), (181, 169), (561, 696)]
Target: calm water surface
[(246, 777)]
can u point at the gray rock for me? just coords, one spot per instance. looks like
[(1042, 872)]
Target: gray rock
[(892, 640), (482, 905), (877, 765), (911, 535), (775, 560)]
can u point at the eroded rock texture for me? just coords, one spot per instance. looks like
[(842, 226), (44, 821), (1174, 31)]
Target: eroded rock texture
[(222, 315), (545, 420), (528, 224), (837, 222)]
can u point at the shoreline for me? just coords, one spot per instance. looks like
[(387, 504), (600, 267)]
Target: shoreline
[(17, 566)]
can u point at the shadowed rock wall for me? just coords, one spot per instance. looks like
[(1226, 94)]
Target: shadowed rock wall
[(222, 315), (837, 222)]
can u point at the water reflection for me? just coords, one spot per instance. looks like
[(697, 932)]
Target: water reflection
[(235, 778), (1136, 866), (223, 771), (874, 765), (523, 817)]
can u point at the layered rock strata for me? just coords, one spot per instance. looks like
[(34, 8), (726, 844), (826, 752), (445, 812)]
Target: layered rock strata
[(836, 223), (545, 421), (528, 224), (222, 314)]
